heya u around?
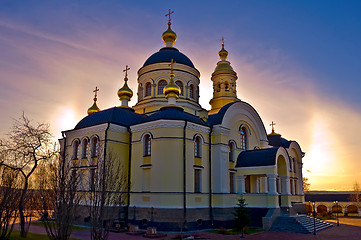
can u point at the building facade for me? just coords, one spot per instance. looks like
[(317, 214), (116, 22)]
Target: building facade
[(186, 167)]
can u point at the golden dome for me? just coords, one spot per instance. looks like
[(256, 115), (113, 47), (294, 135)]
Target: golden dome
[(94, 108), (172, 89), (223, 66), (223, 54), (169, 35), (125, 92)]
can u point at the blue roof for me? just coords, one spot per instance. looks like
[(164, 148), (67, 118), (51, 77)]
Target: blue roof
[(258, 157), (217, 118), (166, 54), (174, 113), (278, 141), (117, 115)]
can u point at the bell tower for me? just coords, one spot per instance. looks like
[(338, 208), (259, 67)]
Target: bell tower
[(224, 83)]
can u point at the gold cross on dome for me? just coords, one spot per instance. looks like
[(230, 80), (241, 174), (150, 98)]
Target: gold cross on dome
[(169, 13), (273, 124), (222, 40), (126, 70), (95, 92), (171, 65)]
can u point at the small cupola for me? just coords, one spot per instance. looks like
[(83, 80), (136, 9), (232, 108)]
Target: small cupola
[(125, 93), (94, 108)]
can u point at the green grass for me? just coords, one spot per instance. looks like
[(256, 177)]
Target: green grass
[(73, 228), (15, 235)]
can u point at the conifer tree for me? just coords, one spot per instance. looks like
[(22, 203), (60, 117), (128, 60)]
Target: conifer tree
[(242, 218)]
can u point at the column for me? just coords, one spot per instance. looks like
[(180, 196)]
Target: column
[(285, 185), (272, 183), (241, 184), (154, 89)]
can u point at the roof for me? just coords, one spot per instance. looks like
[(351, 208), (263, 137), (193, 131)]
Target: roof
[(174, 113), (127, 117), (327, 197), (257, 157), (217, 118), (166, 54), (278, 141), (117, 115)]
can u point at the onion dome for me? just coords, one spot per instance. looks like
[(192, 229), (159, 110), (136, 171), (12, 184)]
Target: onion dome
[(223, 64), (94, 108), (169, 37), (172, 89), (125, 93)]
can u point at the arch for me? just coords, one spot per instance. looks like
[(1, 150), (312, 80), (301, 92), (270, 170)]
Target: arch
[(226, 86), (309, 209), (85, 146), (352, 209), (232, 146), (161, 85), (147, 144), (282, 162), (180, 85), (148, 89), (336, 208), (75, 145), (94, 143), (191, 91), (321, 209)]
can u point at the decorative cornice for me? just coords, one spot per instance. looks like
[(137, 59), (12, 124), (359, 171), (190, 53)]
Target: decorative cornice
[(86, 131), (218, 129), (157, 124), (198, 128)]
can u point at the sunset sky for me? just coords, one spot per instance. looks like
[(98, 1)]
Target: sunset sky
[(298, 64)]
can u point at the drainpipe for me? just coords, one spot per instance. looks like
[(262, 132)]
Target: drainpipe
[(129, 171), (64, 154), (102, 204), (184, 176), (210, 174)]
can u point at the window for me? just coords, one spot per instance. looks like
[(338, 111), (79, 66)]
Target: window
[(218, 87), (197, 147), (231, 182), (243, 135), (231, 151), (180, 85), (197, 180), (147, 145), (91, 179), (94, 147), (226, 86), (75, 149), (148, 89), (161, 85), (247, 184), (191, 91), (85, 148)]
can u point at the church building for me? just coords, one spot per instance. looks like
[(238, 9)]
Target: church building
[(186, 167)]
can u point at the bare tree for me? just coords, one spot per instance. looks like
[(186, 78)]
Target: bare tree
[(24, 148), (306, 185), (356, 196), (58, 197), (9, 195), (106, 195)]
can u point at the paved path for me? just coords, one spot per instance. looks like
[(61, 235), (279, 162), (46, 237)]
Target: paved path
[(344, 231)]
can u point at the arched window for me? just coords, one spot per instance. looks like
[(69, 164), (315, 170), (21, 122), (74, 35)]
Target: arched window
[(243, 135), (197, 147), (231, 151), (85, 148), (161, 85), (226, 86), (75, 149), (148, 89), (147, 145), (191, 91), (94, 147), (180, 85), (218, 87)]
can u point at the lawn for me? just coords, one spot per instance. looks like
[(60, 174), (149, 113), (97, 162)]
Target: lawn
[(15, 235), (249, 230), (73, 228)]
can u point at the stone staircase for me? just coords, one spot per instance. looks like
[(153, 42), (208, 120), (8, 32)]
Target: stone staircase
[(298, 224)]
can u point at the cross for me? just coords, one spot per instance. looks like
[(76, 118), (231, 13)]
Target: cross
[(171, 66), (169, 13), (95, 91), (126, 71), (222, 40), (273, 124)]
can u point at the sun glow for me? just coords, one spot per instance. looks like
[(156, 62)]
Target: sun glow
[(66, 119)]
